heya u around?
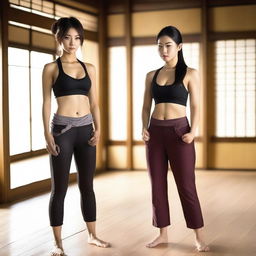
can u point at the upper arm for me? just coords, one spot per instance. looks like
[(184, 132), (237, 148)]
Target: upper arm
[(47, 80), (194, 87), (147, 93), (92, 74)]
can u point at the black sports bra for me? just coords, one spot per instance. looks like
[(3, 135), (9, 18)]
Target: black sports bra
[(169, 93), (67, 85)]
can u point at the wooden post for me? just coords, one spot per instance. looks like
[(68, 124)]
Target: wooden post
[(205, 108), (103, 89), (128, 40), (4, 113)]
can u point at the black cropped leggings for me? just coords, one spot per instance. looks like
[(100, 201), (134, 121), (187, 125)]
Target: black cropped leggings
[(74, 141)]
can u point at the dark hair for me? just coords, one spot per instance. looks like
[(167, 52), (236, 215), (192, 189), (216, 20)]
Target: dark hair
[(181, 67), (62, 25)]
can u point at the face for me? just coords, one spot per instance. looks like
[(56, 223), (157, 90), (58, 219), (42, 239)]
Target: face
[(167, 48), (71, 41)]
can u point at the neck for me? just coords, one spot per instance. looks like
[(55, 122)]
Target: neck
[(68, 57), (172, 63)]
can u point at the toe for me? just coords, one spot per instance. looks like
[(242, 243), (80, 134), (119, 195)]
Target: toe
[(105, 245), (151, 245), (204, 248)]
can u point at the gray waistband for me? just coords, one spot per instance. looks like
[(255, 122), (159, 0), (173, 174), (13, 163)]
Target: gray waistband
[(71, 121)]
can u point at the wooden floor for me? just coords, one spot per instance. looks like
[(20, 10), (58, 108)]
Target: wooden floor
[(124, 218)]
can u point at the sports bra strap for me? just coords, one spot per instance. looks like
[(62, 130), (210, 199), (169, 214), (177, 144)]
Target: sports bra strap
[(83, 66), (155, 75), (61, 69), (60, 65)]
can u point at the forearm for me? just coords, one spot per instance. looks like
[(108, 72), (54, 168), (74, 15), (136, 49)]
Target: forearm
[(145, 118), (96, 117), (46, 112), (194, 118)]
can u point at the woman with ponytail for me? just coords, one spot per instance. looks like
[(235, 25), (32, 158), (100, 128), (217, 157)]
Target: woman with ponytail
[(170, 138), (75, 128)]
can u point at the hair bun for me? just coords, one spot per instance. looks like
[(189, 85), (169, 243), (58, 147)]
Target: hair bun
[(54, 27)]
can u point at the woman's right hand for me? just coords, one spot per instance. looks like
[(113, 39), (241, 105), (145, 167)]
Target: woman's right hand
[(145, 135), (51, 147)]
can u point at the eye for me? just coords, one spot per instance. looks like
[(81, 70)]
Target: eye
[(77, 38), (66, 37)]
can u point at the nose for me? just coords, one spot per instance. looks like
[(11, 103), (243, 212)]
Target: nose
[(164, 50), (72, 42)]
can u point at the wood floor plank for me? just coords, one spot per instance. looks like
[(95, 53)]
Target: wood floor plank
[(124, 217)]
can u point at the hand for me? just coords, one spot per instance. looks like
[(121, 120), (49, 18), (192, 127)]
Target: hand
[(145, 135), (51, 147), (93, 141), (188, 137)]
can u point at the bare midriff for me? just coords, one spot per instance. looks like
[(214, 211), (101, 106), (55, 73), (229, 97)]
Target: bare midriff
[(165, 111), (73, 105)]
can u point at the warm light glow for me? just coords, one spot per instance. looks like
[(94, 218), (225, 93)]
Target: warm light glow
[(19, 106), (117, 93), (38, 60), (235, 88)]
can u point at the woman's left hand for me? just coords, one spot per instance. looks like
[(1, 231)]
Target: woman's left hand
[(93, 141), (188, 137)]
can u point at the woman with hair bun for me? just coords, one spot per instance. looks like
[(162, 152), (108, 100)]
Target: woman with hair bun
[(170, 138), (75, 128)]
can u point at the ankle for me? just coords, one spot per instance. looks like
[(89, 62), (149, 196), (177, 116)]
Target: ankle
[(59, 244), (163, 232), (91, 236), (198, 233)]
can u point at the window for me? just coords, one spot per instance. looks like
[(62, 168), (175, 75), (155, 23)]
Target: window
[(117, 93), (40, 7), (145, 59), (235, 88), (19, 101), (38, 60), (25, 99), (52, 10)]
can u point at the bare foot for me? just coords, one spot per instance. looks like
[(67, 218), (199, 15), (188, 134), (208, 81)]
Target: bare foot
[(57, 251), (95, 241), (201, 246), (161, 239)]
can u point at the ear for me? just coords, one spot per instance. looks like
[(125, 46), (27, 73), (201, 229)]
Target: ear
[(180, 46)]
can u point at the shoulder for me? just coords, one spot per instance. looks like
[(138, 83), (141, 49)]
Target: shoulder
[(151, 74), (192, 78), (50, 67), (192, 73), (90, 67)]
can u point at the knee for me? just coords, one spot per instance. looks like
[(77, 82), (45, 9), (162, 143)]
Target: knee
[(58, 195), (86, 190)]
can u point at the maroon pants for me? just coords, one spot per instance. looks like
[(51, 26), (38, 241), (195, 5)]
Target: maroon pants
[(166, 144)]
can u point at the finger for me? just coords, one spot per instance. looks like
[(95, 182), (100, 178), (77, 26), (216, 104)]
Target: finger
[(92, 138), (53, 150), (146, 132), (48, 149), (94, 142), (147, 137), (91, 141), (57, 149)]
